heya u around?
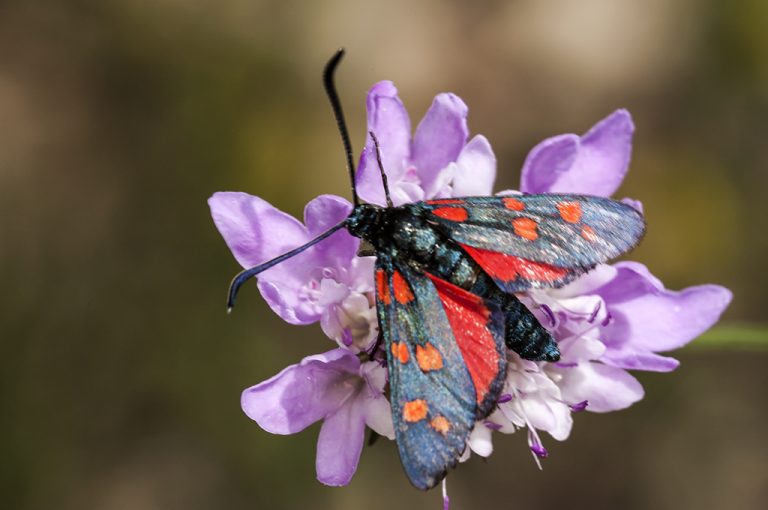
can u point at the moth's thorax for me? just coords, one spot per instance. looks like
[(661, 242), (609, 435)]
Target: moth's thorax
[(366, 221), (390, 227), (405, 232)]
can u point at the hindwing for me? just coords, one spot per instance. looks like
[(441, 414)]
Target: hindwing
[(446, 358)]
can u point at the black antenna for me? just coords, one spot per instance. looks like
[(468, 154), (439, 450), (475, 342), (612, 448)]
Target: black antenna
[(243, 276), (333, 96), (330, 89), (381, 169)]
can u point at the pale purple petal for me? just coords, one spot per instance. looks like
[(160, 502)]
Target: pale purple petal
[(325, 211), (606, 388), (586, 283), (646, 317), (594, 164), (639, 360), (339, 445), (377, 411), (546, 413), (378, 416), (389, 121), (547, 162), (302, 394), (254, 230), (439, 138), (321, 214), (480, 440), (406, 193), (634, 204), (476, 169)]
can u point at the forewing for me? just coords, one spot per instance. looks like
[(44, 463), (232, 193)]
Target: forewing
[(440, 381), (533, 241)]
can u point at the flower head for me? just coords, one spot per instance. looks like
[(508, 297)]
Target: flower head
[(610, 320)]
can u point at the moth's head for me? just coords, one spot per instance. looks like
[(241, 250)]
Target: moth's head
[(364, 220)]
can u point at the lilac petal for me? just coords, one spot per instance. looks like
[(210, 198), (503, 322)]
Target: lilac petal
[(606, 388), (254, 230), (388, 119), (639, 360), (324, 212), (481, 440), (587, 283), (547, 162), (339, 445), (378, 416), (648, 317), (634, 204), (302, 394), (476, 171), (440, 136), (321, 214), (594, 164)]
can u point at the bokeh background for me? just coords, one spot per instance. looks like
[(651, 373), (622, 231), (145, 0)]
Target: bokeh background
[(121, 373)]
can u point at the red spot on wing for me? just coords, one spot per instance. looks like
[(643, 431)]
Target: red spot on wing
[(514, 204), (428, 358), (403, 293), (507, 268), (381, 286), (588, 233), (525, 228), (415, 410), (570, 211), (440, 424), (468, 317), (451, 213), (446, 201), (400, 352)]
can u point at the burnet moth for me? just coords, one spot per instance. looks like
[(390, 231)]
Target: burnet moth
[(446, 276)]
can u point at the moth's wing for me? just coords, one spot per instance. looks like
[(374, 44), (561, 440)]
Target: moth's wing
[(535, 241), (446, 356)]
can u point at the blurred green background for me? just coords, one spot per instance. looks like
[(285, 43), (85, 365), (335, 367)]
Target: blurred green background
[(121, 373)]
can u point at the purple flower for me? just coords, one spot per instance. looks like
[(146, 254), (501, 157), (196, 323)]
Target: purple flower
[(336, 388), (613, 319), (327, 283)]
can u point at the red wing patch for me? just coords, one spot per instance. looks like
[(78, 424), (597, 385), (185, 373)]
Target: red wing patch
[(468, 317), (446, 201), (401, 289), (508, 268), (381, 287), (458, 214)]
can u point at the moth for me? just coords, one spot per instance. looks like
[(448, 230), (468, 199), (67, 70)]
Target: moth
[(446, 277)]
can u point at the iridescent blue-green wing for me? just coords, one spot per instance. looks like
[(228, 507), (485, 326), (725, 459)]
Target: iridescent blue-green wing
[(446, 357)]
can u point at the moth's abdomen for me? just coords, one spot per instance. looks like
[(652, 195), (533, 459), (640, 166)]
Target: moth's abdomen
[(525, 335), (523, 332)]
